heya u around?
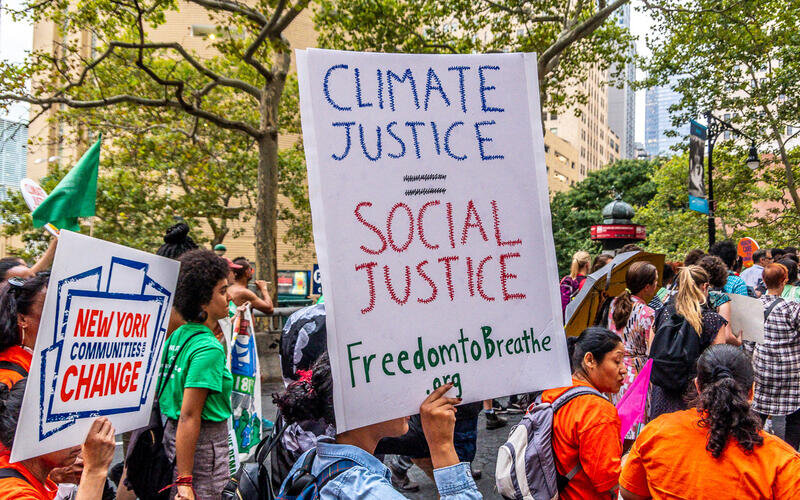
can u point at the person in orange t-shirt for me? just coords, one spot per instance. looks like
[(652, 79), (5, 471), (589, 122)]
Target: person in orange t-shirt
[(715, 451), (586, 431), (28, 479), (21, 303)]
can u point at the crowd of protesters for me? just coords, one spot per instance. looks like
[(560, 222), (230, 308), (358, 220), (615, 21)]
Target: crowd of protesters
[(711, 417)]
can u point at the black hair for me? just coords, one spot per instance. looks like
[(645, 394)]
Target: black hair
[(692, 256), (176, 241), (725, 250), (14, 300), (309, 400), (790, 250), (6, 264), (597, 340), (667, 274), (716, 269), (725, 376), (200, 272), (758, 255), (791, 268), (10, 406), (242, 261), (776, 252)]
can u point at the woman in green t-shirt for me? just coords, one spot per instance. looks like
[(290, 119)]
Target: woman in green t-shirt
[(197, 397)]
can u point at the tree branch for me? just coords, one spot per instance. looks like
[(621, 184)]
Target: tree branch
[(577, 33), (235, 8), (525, 12)]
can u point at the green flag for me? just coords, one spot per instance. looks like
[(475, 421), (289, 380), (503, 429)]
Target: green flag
[(74, 196)]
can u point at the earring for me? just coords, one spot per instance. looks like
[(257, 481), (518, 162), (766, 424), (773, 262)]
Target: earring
[(203, 316), (22, 335)]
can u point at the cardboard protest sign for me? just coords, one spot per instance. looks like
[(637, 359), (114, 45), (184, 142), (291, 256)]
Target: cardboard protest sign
[(432, 228), (99, 343), (747, 316)]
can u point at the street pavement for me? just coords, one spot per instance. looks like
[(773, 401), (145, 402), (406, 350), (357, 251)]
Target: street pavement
[(485, 458)]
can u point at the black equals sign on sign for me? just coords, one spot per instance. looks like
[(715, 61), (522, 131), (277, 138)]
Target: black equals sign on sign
[(424, 178)]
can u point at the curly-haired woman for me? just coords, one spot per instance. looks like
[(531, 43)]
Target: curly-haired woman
[(674, 454), (197, 397)]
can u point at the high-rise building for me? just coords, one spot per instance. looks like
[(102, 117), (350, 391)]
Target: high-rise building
[(657, 120), (586, 126), (13, 155), (622, 100)]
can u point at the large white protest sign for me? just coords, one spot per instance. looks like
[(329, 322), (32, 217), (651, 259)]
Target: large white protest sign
[(747, 316), (99, 343), (432, 227)]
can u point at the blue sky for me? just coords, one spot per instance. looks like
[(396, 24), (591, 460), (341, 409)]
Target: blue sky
[(16, 39)]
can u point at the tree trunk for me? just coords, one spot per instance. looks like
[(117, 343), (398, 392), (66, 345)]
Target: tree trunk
[(787, 165), (266, 223)]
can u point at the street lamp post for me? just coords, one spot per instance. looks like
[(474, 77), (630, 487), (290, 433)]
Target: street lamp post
[(715, 127)]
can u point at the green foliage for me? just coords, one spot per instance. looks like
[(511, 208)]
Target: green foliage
[(469, 26), (674, 230), (574, 211), (740, 60)]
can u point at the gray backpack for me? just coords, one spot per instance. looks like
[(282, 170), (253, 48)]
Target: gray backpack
[(526, 467)]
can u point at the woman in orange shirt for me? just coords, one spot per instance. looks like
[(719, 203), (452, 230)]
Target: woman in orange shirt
[(586, 430), (21, 302), (717, 450), (28, 479)]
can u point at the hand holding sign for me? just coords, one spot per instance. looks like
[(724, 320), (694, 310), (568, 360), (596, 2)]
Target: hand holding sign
[(428, 193), (100, 336)]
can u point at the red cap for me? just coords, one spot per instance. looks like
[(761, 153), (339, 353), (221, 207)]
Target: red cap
[(231, 264)]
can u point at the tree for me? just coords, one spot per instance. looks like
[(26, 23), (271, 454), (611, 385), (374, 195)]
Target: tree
[(149, 178), (738, 59), (105, 57), (672, 229), (576, 210), (570, 37)]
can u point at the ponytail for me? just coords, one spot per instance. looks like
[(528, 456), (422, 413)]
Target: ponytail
[(311, 397), (638, 276), (690, 298), (725, 376), (579, 260)]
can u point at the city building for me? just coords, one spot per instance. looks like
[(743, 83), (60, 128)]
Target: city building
[(658, 121), (622, 100), (195, 30), (640, 153), (586, 126), (562, 162), (13, 155)]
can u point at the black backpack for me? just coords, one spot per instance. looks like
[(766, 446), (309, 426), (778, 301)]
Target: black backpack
[(675, 350), (252, 481), (149, 471)]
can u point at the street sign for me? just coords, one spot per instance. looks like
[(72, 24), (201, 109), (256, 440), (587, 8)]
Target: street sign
[(316, 281)]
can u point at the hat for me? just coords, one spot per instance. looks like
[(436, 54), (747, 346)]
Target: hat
[(220, 247), (231, 264)]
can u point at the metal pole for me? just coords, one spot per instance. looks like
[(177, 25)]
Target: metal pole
[(712, 227)]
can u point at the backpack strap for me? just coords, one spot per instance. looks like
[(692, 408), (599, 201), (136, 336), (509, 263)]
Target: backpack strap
[(331, 471), (571, 394), (771, 307), (161, 387), (14, 367), (8, 472)]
